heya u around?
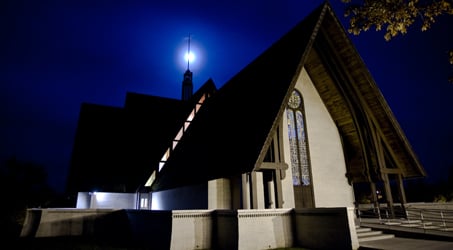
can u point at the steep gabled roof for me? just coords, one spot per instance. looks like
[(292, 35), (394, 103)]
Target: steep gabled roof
[(231, 133), (363, 117)]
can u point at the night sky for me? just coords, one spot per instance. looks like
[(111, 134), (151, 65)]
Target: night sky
[(57, 54)]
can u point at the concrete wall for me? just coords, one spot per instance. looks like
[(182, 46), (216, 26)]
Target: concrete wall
[(192, 229), (106, 200), (62, 222), (330, 185), (265, 228), (225, 231), (198, 229), (113, 200), (131, 228), (189, 197), (325, 228), (83, 200)]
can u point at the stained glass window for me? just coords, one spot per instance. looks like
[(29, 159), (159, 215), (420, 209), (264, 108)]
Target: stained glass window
[(300, 164)]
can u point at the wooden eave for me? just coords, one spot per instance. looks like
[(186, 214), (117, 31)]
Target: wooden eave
[(356, 87)]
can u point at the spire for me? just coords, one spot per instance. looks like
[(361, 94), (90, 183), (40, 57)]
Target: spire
[(188, 53), (187, 85)]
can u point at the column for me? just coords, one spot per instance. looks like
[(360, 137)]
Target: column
[(388, 195), (401, 193), (245, 191), (219, 196), (257, 190)]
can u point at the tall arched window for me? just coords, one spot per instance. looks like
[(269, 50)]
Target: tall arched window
[(300, 163)]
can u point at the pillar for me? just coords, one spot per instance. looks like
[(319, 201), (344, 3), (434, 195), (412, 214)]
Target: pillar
[(375, 199), (271, 193), (219, 196), (388, 195), (245, 191), (402, 193)]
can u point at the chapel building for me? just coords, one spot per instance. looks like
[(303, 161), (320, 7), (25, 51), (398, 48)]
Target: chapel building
[(298, 127)]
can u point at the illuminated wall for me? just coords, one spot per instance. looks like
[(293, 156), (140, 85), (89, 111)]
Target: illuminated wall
[(106, 200), (330, 185)]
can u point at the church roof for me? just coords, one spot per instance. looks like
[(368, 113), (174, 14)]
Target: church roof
[(363, 117), (115, 147), (232, 131)]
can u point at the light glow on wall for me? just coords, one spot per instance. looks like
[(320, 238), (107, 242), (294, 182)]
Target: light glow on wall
[(156, 202), (143, 203), (100, 197)]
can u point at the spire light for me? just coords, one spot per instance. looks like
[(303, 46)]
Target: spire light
[(189, 56)]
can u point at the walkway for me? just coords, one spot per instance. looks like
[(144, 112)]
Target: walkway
[(399, 243), (405, 238)]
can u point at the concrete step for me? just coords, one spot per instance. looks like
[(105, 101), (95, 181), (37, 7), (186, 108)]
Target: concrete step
[(419, 224), (410, 225), (411, 222), (377, 237), (393, 223), (429, 227), (367, 234), (362, 229)]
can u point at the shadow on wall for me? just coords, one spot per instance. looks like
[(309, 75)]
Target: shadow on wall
[(116, 228)]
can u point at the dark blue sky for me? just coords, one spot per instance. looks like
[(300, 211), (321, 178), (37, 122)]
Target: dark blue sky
[(57, 54)]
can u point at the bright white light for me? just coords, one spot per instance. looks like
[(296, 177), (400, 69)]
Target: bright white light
[(189, 57), (100, 197), (193, 58), (156, 201)]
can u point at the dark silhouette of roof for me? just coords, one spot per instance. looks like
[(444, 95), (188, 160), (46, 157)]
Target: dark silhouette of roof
[(231, 133), (117, 148)]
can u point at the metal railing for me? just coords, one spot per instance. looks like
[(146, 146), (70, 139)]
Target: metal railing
[(427, 220), (432, 218)]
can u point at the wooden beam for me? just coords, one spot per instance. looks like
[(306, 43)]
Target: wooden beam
[(274, 165), (391, 171), (388, 195)]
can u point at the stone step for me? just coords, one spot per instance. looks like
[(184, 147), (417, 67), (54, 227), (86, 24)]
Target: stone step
[(410, 225), (367, 234), (411, 222), (392, 223), (362, 229), (370, 233), (429, 227), (377, 237)]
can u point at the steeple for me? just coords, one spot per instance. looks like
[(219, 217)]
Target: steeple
[(187, 85)]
